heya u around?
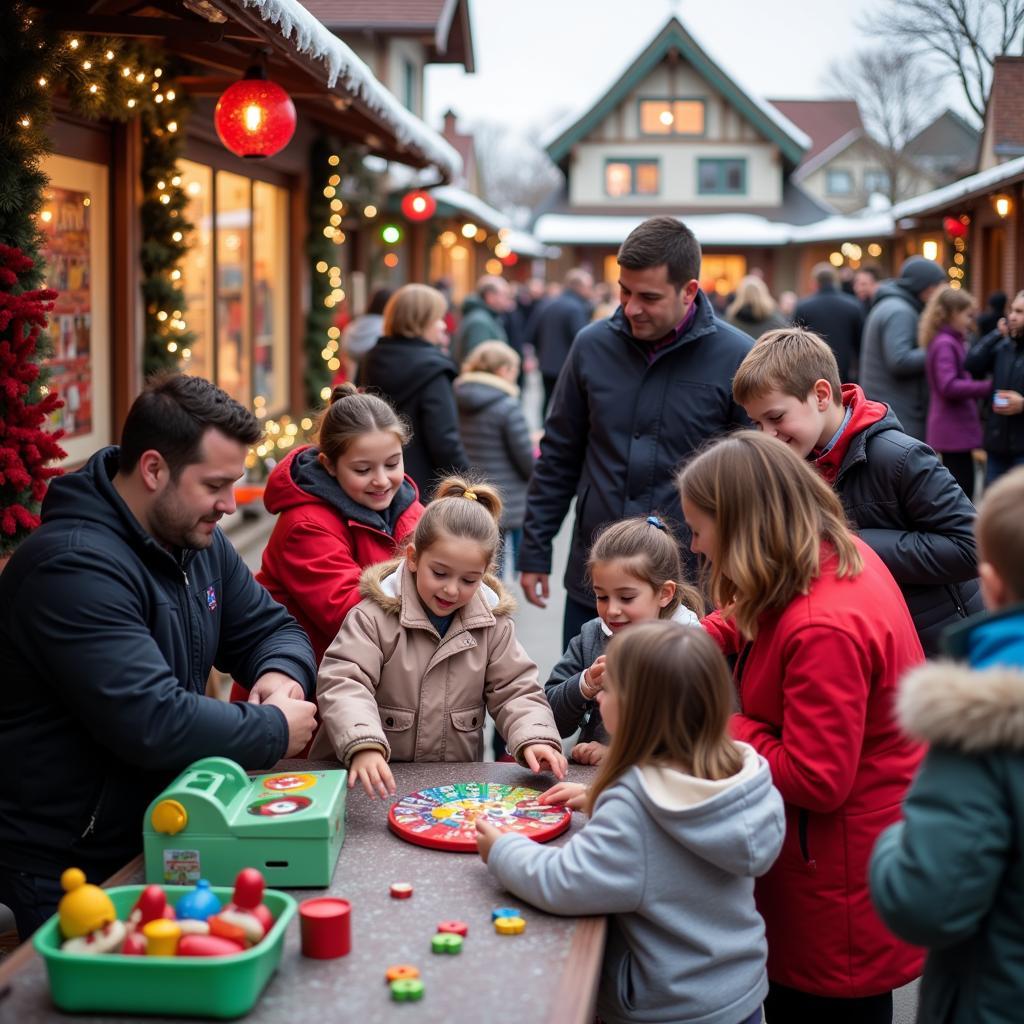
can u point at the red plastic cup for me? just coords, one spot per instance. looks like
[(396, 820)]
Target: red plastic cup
[(326, 925)]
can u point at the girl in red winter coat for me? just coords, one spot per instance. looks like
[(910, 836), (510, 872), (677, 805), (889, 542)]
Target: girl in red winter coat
[(821, 635), (342, 505)]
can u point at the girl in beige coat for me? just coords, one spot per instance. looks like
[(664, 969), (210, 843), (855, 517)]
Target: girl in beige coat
[(431, 646)]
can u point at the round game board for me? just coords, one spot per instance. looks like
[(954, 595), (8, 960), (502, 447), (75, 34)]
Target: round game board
[(442, 817)]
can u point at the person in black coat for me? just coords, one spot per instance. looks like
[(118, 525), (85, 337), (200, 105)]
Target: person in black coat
[(558, 323), (995, 310), (834, 316), (112, 614), (409, 367), (638, 394)]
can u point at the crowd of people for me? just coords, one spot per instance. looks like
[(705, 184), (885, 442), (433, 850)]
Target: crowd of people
[(773, 531)]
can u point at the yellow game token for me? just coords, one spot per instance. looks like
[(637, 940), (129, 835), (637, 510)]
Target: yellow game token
[(509, 925)]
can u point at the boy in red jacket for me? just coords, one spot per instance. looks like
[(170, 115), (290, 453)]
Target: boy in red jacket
[(897, 494)]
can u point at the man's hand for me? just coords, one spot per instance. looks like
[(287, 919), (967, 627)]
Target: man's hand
[(537, 754), (535, 587), (486, 835), (1004, 326), (1011, 404), (299, 714), (589, 753), (593, 679), (371, 768), (271, 682), (572, 794)]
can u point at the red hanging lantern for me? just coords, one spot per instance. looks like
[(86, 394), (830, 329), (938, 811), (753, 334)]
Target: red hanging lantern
[(510, 260), (255, 117), (418, 205), (954, 227)]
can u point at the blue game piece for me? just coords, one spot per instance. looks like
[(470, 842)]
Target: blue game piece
[(199, 904), (505, 912)]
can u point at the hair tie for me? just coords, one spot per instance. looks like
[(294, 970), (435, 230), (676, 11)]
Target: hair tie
[(469, 494), (655, 521)]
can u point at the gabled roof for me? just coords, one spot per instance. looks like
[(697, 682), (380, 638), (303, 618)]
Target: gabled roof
[(825, 121), (946, 133), (765, 118)]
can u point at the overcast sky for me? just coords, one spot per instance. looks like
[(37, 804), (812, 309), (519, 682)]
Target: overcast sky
[(538, 58)]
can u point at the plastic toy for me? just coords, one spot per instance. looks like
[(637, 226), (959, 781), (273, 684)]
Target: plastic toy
[(84, 908), (505, 912), (400, 972), (326, 925), (198, 905), (509, 925), (400, 890), (214, 820), (207, 945), (162, 937), (407, 990), (446, 942), (151, 906), (454, 928)]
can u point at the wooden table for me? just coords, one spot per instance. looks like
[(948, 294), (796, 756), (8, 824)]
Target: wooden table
[(549, 973)]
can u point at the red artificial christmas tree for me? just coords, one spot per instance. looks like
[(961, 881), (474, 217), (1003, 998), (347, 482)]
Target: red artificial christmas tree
[(26, 445)]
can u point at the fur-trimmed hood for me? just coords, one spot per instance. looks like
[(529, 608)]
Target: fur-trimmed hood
[(382, 584), (973, 710)]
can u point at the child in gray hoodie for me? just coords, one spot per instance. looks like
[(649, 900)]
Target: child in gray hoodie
[(682, 820)]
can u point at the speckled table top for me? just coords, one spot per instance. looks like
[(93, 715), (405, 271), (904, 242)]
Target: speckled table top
[(549, 973)]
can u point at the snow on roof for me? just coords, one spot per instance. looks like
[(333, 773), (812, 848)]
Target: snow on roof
[(525, 244), (465, 201), (315, 40), (715, 229), (962, 189)]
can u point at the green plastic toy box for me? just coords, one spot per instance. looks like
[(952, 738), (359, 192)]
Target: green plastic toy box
[(224, 987), (215, 819)]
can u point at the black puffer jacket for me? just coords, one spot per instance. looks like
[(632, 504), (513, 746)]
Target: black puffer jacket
[(620, 426), (497, 439), (1002, 358), (416, 377), (908, 507)]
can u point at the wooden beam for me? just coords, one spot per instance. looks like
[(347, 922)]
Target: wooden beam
[(138, 28)]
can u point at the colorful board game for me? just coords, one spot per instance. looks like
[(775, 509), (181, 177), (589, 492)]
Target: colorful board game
[(443, 817)]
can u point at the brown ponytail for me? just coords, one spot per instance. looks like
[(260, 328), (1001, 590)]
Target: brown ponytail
[(467, 510)]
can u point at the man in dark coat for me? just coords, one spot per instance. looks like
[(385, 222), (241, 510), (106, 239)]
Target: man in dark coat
[(111, 616), (638, 394), (834, 316), (482, 314), (558, 324), (892, 364)]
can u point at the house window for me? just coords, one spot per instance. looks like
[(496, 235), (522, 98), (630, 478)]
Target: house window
[(876, 180), (235, 279), (629, 177), (722, 177), (409, 85), (838, 183), (672, 117)]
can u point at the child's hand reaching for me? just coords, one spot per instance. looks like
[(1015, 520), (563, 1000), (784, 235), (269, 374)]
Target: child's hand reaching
[(371, 768), (589, 753), (572, 794), (593, 679), (537, 754), (486, 835)]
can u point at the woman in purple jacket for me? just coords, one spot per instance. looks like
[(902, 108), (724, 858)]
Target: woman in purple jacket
[(954, 426)]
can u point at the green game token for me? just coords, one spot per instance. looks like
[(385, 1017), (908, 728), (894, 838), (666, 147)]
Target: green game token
[(446, 942), (407, 990)]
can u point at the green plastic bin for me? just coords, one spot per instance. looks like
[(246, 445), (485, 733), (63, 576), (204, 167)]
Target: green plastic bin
[(169, 986)]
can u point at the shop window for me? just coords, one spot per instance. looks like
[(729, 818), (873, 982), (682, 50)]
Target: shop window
[(269, 275), (629, 177), (672, 117), (234, 283), (721, 272), (838, 183), (197, 267), (722, 177)]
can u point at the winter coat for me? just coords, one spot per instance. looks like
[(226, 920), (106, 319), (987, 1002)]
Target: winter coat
[(496, 439), (571, 709), (913, 513), (816, 689), (361, 334), (106, 642), (1003, 359), (950, 876), (744, 320), (416, 377), (618, 428), (557, 326), (672, 859), (389, 682), (323, 540), (479, 324), (953, 421), (892, 365), (839, 319)]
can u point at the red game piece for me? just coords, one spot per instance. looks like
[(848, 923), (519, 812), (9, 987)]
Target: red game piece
[(401, 890), (134, 945), (208, 945), (226, 930), (248, 892), (454, 928), (326, 926)]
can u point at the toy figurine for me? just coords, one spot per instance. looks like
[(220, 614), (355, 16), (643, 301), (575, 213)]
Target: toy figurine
[(245, 916), (88, 920), (198, 905)]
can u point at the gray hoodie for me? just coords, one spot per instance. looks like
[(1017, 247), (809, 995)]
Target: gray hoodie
[(673, 860)]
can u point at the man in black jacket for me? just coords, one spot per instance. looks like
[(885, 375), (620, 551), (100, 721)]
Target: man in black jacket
[(111, 616), (558, 324), (638, 394), (834, 316)]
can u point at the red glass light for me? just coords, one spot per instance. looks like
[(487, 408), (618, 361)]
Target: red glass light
[(954, 227), (510, 260), (418, 205), (255, 117)]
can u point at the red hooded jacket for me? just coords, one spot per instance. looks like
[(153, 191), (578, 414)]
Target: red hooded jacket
[(816, 690), (863, 414)]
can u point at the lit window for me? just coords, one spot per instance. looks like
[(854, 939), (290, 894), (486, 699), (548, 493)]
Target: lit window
[(631, 178), (672, 117), (838, 183), (722, 177)]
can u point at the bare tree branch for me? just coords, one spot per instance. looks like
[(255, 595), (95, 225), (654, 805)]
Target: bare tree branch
[(515, 172)]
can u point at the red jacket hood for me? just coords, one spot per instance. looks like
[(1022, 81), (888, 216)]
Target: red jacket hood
[(864, 413)]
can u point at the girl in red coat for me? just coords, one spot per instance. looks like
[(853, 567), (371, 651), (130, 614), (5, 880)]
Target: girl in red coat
[(821, 635)]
